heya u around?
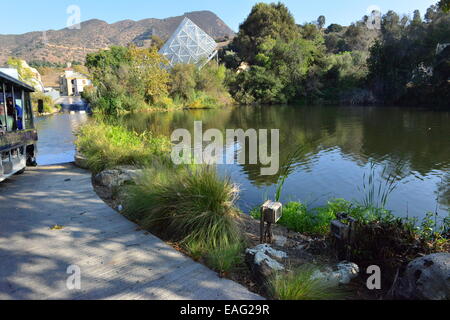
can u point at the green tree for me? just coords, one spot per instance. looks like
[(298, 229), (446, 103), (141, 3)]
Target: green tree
[(148, 72), (183, 80), (321, 22), (265, 21), (444, 5), (417, 18)]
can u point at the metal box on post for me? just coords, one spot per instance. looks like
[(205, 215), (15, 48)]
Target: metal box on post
[(271, 213)]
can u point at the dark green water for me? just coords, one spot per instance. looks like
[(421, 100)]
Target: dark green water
[(340, 143)]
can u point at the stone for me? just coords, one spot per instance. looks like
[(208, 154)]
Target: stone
[(280, 241), (426, 278), (117, 177), (264, 261), (342, 273), (81, 161)]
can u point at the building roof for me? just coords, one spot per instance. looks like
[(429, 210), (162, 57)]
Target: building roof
[(10, 80), (69, 74), (188, 44)]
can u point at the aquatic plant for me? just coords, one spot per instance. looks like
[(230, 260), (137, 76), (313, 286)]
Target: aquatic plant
[(377, 191)]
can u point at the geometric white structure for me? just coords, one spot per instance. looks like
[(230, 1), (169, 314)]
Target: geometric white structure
[(189, 44)]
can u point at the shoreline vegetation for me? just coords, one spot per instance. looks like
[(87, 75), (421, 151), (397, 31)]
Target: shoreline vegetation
[(193, 208)]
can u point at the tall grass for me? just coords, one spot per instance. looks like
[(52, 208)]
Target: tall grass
[(377, 192), (286, 171), (190, 205), (300, 285), (108, 145)]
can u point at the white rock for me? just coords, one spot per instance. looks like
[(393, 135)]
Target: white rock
[(343, 273), (265, 255), (280, 240)]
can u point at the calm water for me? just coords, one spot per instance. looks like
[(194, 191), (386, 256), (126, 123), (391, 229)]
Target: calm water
[(340, 144), (56, 137)]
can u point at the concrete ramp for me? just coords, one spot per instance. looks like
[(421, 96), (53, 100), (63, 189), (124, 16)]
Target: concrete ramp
[(116, 260)]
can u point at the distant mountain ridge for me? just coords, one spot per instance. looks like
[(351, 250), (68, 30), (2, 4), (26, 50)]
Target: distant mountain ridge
[(65, 45)]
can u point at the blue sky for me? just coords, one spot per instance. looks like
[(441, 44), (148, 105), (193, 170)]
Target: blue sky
[(32, 15)]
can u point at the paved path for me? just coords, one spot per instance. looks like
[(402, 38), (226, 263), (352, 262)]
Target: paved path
[(116, 260)]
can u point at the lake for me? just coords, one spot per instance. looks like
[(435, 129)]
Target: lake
[(339, 146), (56, 137)]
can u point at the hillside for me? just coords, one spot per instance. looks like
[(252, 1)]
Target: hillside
[(65, 45)]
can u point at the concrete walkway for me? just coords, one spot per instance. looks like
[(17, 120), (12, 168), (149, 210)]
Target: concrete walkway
[(116, 260)]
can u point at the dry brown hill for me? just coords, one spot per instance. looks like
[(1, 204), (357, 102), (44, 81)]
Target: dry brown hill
[(66, 45)]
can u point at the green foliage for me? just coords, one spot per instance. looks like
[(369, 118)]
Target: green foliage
[(190, 205), (49, 104), (405, 51), (183, 80), (200, 88), (225, 258), (265, 21), (297, 217), (444, 5), (109, 145), (25, 73), (300, 284), (127, 79)]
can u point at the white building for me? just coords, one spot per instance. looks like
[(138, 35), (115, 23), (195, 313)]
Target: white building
[(72, 83)]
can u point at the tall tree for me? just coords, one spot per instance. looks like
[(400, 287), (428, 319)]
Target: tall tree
[(265, 21), (444, 5), (321, 22), (417, 18)]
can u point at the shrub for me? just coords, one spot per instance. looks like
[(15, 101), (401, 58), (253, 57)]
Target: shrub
[(183, 80), (200, 100), (106, 146), (49, 104), (297, 217), (301, 285), (190, 205)]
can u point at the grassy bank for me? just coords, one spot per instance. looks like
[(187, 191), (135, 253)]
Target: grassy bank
[(190, 206), (193, 208), (108, 145)]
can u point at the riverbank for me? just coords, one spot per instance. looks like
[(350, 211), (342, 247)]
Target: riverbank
[(163, 197)]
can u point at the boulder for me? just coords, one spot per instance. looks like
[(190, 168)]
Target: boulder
[(426, 278), (342, 273), (117, 177), (81, 161), (264, 261)]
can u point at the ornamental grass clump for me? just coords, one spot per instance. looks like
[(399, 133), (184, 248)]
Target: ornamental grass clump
[(300, 284), (191, 205)]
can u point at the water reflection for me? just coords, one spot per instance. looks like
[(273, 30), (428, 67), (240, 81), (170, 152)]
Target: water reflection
[(56, 137), (339, 143)]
